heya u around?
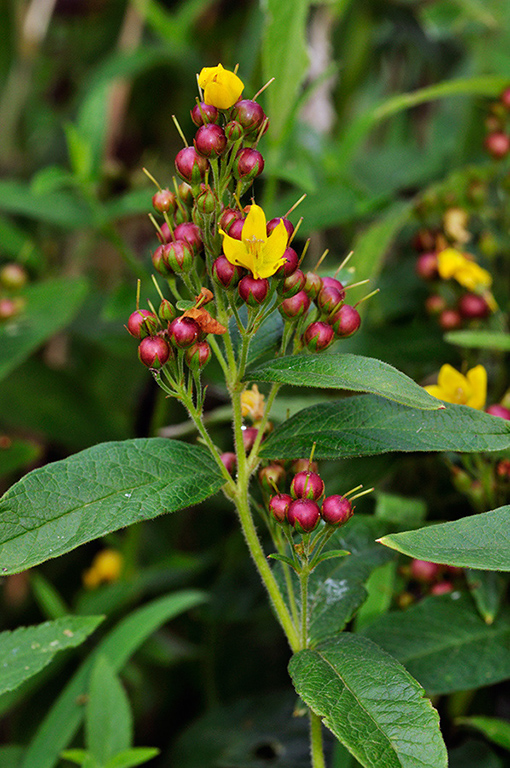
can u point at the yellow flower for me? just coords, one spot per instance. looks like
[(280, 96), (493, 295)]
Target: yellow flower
[(453, 387), (252, 403), (469, 274), (106, 566), (455, 221), (261, 254), (221, 87)]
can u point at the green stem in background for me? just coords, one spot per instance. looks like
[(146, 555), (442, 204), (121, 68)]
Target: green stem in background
[(316, 748)]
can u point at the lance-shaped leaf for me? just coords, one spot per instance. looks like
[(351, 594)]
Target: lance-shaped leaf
[(62, 505), (352, 372), (370, 702), (478, 541), (365, 425), (27, 650), (445, 644)]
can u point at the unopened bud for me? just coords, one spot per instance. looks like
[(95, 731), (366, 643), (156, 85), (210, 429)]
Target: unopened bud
[(295, 306), (166, 311), (345, 321), (142, 323), (183, 332), (290, 264), (271, 476), (249, 114), (279, 506), (164, 201), (226, 274), (426, 266), (318, 336), (198, 355), (154, 351), (292, 284), (203, 113), (336, 510), (191, 166), (191, 234), (472, 306), (248, 164), (307, 485), (271, 225), (253, 290), (303, 515), (210, 140), (229, 461)]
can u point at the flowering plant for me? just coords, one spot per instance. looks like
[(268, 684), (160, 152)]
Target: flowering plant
[(231, 290)]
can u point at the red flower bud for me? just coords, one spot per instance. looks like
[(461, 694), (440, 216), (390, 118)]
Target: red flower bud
[(290, 265), (159, 262), (435, 304), (203, 113), (210, 140), (498, 144), (271, 225), (303, 515), (198, 355), (164, 200), (252, 290), (472, 306), (249, 114), (206, 201), (166, 311), (248, 164), (422, 570), (426, 266), (505, 98), (183, 332), (332, 282), (9, 308), (271, 476), (443, 588), (304, 465), (190, 165), (307, 485), (233, 131), (235, 229), (229, 460), (142, 323), (279, 506), (295, 306), (318, 336), (164, 235), (330, 299), (313, 285), (450, 320), (499, 410), (226, 274), (191, 233), (228, 216), (154, 351), (178, 255), (336, 510), (345, 321), (185, 193), (292, 284), (249, 437)]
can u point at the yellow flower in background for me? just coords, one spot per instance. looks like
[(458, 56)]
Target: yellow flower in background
[(453, 387), (252, 403), (469, 274), (221, 87), (106, 567), (455, 221), (261, 254)]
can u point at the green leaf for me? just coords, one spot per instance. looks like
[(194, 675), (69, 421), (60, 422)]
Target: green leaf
[(11, 756), (27, 650), (496, 730), (283, 559), (478, 541), (352, 372), (47, 597), (62, 505), (64, 718), (284, 57), (336, 587), (370, 702), (474, 754), (17, 455), (79, 150), (131, 757), (366, 425), (400, 509), (480, 340), (64, 209), (50, 306), (78, 756), (108, 720), (487, 590), (380, 585), (445, 644)]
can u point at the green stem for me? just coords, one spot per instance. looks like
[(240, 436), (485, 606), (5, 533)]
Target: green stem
[(303, 580), (316, 748)]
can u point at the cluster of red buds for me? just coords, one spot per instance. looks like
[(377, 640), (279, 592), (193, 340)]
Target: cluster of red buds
[(13, 278), (497, 141), (454, 306), (426, 578), (306, 505)]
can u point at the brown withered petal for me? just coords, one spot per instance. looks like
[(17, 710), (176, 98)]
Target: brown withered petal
[(207, 323)]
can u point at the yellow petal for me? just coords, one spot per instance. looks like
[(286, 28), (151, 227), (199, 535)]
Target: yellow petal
[(236, 252), (477, 377), (453, 383), (276, 243), (207, 74), (473, 277), (254, 227), (449, 261), (435, 391), (222, 88)]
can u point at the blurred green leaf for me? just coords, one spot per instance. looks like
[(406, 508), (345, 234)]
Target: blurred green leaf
[(380, 585), (63, 209), (62, 505), (64, 718), (480, 340), (366, 425), (48, 598), (51, 179), (284, 57), (445, 644), (478, 541), (27, 650), (13, 238), (108, 719), (50, 306), (400, 509), (370, 702), (487, 589), (351, 372), (495, 729), (11, 756), (80, 152), (474, 754), (17, 455), (132, 757)]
